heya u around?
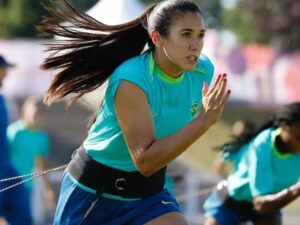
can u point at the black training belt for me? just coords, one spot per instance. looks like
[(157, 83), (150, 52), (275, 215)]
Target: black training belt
[(105, 179)]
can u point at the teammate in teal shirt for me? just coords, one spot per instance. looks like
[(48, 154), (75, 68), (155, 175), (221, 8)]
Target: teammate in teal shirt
[(29, 146), (265, 175), (156, 105), (26, 145)]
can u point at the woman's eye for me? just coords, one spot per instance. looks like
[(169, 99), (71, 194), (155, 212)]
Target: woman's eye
[(201, 35), (186, 34)]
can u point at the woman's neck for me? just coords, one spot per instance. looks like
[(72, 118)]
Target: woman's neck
[(165, 65), (283, 147)]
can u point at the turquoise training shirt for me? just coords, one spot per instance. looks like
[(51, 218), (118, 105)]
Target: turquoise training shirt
[(174, 102), (261, 169), (25, 145)]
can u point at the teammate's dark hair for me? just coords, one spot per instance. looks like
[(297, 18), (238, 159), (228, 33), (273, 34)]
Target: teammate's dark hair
[(288, 114)]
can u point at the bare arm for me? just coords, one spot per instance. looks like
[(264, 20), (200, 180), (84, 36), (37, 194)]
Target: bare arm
[(135, 118), (270, 203), (41, 165)]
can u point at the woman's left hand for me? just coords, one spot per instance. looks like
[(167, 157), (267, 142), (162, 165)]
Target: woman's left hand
[(214, 100)]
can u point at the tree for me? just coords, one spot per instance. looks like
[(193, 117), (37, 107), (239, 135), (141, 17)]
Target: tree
[(19, 17), (269, 21)]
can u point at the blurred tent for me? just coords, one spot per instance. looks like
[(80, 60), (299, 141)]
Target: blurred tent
[(292, 77), (26, 78), (258, 57), (237, 61), (287, 77), (116, 11)]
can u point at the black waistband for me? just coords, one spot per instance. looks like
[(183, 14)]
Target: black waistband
[(114, 181), (244, 208)]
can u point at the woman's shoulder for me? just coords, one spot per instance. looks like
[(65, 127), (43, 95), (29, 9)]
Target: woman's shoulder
[(204, 69), (15, 128), (16, 125), (134, 70), (264, 135), (264, 139), (134, 64), (204, 65)]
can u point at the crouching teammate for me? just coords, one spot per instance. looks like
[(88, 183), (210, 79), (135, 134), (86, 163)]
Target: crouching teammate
[(265, 177)]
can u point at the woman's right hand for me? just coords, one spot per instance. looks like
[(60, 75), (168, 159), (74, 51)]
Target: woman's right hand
[(214, 100)]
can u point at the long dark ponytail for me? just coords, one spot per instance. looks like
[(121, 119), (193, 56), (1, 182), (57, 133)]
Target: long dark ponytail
[(288, 114), (91, 51)]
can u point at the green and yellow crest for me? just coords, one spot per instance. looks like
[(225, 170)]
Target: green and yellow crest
[(194, 108)]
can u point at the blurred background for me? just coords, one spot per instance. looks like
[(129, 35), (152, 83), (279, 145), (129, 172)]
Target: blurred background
[(257, 43)]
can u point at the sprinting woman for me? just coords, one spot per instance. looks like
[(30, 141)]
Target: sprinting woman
[(156, 105)]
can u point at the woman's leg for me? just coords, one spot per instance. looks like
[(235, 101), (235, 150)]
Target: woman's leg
[(172, 218), (72, 204), (210, 221), (161, 208)]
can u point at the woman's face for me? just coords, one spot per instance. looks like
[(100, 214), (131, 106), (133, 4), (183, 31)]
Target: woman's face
[(183, 46), (291, 133), (31, 115)]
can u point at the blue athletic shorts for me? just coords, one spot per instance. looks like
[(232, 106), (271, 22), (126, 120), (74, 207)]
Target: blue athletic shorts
[(15, 202), (223, 214), (74, 201)]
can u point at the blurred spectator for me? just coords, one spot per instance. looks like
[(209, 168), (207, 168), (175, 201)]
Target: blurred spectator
[(239, 128), (242, 127), (29, 146), (169, 182), (14, 208)]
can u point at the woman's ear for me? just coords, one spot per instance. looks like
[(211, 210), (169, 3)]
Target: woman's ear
[(156, 38), (284, 126)]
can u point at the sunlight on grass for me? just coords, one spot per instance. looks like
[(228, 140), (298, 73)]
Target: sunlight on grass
[(201, 153)]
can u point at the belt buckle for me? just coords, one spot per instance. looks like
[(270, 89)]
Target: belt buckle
[(119, 183)]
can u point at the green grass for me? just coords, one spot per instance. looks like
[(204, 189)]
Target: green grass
[(203, 149)]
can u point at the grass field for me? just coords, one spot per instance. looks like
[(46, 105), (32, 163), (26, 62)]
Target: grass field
[(201, 153)]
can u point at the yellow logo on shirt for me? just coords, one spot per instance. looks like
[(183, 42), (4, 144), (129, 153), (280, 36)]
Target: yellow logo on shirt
[(194, 108)]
